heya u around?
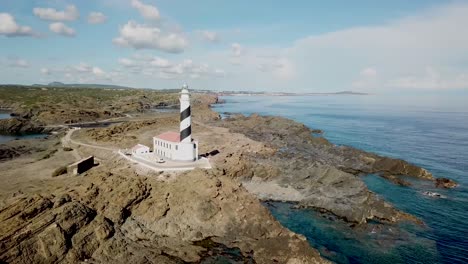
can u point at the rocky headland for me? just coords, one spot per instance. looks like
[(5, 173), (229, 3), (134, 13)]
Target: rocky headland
[(300, 166), (120, 213)]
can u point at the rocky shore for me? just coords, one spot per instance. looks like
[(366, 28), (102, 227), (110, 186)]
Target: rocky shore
[(298, 166), (119, 213)]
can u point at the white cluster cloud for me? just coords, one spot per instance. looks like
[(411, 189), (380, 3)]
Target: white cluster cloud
[(209, 36), (236, 49), (19, 63), (140, 36), (62, 29), (96, 18), (71, 13), (82, 73), (367, 79), (430, 79), (147, 11), (46, 71), (156, 66), (9, 27), (400, 49)]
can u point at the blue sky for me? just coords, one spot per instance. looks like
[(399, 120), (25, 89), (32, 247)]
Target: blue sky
[(303, 46)]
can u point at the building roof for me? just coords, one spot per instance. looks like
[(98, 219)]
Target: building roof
[(139, 146), (170, 136)]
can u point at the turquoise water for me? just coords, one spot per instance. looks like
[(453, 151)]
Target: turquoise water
[(432, 133)]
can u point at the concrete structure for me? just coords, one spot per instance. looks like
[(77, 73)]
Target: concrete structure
[(81, 165), (140, 149), (178, 146)]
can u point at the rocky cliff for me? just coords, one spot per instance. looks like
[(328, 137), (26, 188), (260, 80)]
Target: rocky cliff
[(116, 216)]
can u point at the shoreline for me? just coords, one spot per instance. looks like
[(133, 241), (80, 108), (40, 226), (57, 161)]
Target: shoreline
[(250, 150)]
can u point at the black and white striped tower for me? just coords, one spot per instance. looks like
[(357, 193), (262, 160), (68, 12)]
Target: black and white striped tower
[(185, 120)]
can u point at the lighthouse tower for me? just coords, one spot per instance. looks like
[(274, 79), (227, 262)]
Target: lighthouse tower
[(178, 146), (185, 116)]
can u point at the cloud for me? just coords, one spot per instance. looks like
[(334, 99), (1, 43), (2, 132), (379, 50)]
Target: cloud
[(127, 62), (96, 18), (367, 79), (70, 13), (9, 27), (219, 73), (236, 49), (62, 29), (209, 36), (19, 63), (368, 72), (400, 49), (159, 62), (431, 79), (147, 11), (46, 71), (98, 71), (140, 36), (165, 69)]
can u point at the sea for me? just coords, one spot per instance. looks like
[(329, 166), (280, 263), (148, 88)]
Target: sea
[(6, 138), (431, 132)]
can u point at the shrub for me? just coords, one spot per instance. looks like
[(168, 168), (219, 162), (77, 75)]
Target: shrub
[(59, 171), (48, 154), (67, 149)]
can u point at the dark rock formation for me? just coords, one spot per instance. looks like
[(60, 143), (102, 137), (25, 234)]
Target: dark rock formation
[(14, 126), (312, 171), (445, 183)]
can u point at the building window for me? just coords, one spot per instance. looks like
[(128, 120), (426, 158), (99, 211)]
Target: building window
[(176, 147), (194, 146)]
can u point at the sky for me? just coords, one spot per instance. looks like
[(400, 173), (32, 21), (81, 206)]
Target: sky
[(390, 47)]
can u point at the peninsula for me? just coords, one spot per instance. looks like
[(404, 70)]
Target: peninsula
[(119, 211)]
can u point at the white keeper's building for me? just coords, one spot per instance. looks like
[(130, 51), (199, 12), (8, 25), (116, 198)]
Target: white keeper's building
[(140, 149)]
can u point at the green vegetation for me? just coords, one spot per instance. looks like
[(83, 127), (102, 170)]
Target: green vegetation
[(35, 96), (58, 105), (48, 154)]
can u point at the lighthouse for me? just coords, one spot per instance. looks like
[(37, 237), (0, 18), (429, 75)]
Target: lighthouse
[(178, 146), (185, 116)]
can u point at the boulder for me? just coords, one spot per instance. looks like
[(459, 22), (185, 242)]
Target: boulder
[(445, 183)]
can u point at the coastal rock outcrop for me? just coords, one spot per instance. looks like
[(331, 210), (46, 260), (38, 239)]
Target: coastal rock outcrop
[(445, 183), (308, 169), (14, 126), (120, 217)]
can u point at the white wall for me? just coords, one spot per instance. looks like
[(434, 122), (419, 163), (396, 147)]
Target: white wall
[(175, 151), (142, 150)]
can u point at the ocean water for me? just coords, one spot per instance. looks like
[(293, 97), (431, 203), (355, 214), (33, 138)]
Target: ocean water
[(430, 132), (6, 138)]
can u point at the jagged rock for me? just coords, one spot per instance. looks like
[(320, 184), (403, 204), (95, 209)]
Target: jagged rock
[(310, 170), (445, 183), (120, 217), (16, 126)]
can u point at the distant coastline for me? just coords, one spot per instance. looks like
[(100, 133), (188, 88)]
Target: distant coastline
[(247, 93)]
